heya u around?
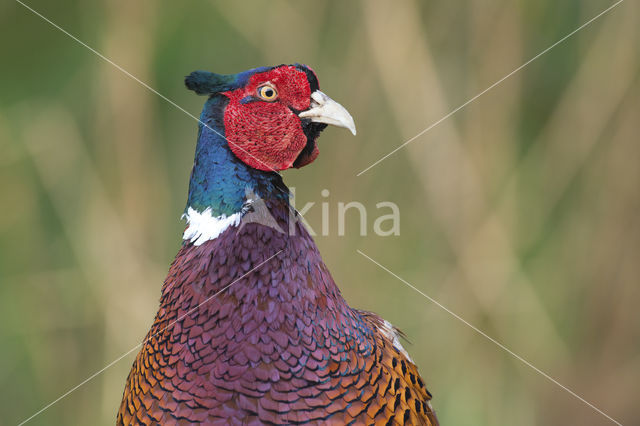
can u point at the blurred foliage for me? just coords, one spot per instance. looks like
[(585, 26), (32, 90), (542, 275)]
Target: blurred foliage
[(519, 212)]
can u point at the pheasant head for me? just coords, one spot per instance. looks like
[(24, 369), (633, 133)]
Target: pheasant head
[(273, 116)]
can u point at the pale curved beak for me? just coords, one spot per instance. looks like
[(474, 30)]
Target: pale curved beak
[(325, 110)]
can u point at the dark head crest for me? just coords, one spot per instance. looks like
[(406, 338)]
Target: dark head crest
[(209, 83)]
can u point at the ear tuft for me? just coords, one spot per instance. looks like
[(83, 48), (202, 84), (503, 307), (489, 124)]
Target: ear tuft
[(202, 82), (209, 83)]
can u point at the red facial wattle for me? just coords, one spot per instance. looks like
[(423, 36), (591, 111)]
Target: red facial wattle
[(268, 135), (273, 119)]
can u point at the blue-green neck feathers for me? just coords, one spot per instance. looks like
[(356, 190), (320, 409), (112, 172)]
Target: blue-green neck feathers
[(219, 180)]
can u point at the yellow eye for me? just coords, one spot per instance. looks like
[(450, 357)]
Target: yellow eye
[(267, 92)]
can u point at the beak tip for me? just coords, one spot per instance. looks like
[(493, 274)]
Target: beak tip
[(349, 123)]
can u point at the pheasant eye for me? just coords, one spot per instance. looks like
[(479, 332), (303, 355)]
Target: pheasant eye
[(267, 92)]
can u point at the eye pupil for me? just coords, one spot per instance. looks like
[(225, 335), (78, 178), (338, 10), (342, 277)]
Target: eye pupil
[(267, 93)]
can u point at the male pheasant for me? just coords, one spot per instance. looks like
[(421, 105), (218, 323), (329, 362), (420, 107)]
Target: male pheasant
[(251, 327)]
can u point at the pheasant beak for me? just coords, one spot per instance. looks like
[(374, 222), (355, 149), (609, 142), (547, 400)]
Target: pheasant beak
[(323, 109)]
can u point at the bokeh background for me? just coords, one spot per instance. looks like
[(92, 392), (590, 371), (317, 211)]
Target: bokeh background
[(520, 212)]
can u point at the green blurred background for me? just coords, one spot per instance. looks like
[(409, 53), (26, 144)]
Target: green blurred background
[(519, 213)]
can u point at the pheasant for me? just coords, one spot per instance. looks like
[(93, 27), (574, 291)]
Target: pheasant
[(251, 327)]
